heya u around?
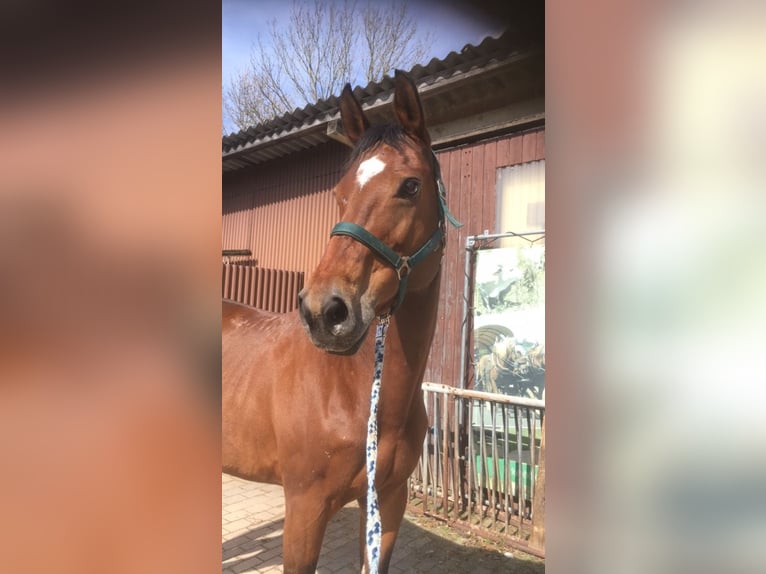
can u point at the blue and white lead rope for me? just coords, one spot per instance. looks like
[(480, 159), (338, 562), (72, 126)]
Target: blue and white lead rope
[(374, 528)]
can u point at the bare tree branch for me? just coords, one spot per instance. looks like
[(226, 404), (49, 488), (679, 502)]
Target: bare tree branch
[(323, 45), (391, 39)]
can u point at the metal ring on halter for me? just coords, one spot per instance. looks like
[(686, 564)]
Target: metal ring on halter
[(404, 268)]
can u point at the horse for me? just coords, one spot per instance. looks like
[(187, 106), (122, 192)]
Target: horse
[(498, 364), (511, 369), (296, 386)]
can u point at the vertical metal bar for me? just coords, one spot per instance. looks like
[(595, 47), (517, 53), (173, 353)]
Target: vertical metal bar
[(226, 280), (489, 461), (256, 286), (437, 451), (246, 271), (248, 285), (279, 291), (457, 484), (532, 457), (264, 288), (427, 482), (245, 282), (240, 284), (289, 290), (471, 466), (483, 458), (285, 295), (495, 491), (234, 281), (462, 458), (527, 483), (531, 466), (433, 467), (268, 285), (281, 299), (508, 499), (274, 291), (293, 291), (445, 455), (464, 351), (424, 457), (427, 457), (519, 481), (261, 286)]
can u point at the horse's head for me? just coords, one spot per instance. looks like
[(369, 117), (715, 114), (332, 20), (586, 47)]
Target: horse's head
[(391, 235)]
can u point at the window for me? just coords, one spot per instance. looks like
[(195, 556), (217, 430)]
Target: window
[(521, 197)]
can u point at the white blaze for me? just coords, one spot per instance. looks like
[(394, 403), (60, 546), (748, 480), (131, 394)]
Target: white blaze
[(367, 169)]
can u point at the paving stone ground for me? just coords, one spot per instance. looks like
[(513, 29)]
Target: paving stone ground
[(253, 517)]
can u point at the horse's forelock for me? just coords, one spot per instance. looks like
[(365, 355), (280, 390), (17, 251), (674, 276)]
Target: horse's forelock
[(389, 134)]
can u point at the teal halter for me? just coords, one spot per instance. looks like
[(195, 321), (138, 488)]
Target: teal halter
[(403, 264)]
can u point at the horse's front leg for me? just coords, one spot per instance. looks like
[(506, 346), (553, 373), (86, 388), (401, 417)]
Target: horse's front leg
[(306, 518), (392, 503)]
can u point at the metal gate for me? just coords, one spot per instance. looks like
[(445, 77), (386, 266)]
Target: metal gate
[(481, 462)]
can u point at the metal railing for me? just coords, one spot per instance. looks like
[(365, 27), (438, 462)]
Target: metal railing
[(479, 464), (267, 289)]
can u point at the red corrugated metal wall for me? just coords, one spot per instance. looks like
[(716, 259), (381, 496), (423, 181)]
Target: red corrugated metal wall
[(283, 211)]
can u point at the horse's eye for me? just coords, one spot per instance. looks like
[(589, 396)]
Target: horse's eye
[(409, 188)]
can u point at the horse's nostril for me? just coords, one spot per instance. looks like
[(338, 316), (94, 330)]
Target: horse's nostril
[(334, 311), (304, 313)]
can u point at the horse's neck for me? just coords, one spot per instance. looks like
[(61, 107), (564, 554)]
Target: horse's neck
[(408, 345), (416, 322)]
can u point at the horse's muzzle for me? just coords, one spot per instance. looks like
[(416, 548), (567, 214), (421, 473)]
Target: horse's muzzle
[(332, 321)]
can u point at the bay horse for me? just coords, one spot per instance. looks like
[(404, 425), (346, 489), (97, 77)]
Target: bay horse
[(296, 387), (509, 369)]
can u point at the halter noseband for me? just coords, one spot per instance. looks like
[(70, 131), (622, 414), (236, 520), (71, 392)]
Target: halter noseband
[(403, 264)]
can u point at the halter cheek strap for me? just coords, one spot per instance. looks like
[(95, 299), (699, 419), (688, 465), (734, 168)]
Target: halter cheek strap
[(403, 264)]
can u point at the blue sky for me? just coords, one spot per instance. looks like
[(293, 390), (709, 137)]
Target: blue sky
[(452, 24)]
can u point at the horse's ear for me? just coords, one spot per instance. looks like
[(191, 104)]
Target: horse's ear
[(352, 116), (408, 108)]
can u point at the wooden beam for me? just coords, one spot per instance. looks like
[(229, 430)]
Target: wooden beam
[(469, 127), (335, 132)]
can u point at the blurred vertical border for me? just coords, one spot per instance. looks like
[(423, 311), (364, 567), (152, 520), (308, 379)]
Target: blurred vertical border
[(109, 286), (656, 272)]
